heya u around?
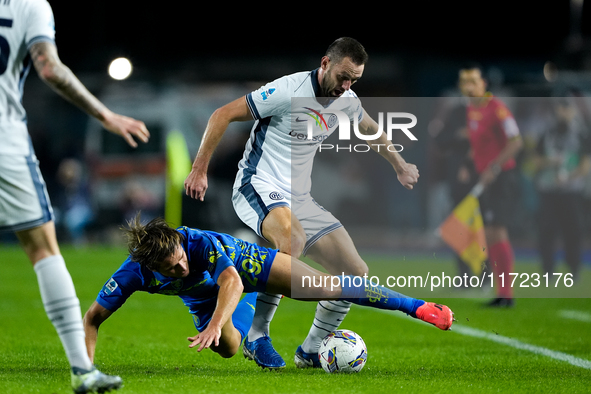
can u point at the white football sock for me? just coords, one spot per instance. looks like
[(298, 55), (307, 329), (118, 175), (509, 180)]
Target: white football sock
[(264, 311), (328, 317), (63, 308)]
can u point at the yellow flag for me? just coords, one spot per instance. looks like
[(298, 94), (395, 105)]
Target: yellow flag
[(463, 231)]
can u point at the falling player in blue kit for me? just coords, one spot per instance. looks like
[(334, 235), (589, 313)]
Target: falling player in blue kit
[(209, 271)]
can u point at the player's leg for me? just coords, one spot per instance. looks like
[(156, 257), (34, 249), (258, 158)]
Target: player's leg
[(284, 231), (329, 245), (235, 329), (57, 290), (268, 217), (497, 213), (230, 341), (336, 252), (62, 306), (298, 280), (25, 209), (501, 260)]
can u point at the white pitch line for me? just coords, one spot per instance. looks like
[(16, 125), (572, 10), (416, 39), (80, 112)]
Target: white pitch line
[(473, 332), (514, 343), (575, 315)]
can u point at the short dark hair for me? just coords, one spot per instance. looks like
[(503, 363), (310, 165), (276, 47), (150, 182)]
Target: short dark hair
[(152, 243), (471, 65), (347, 47)]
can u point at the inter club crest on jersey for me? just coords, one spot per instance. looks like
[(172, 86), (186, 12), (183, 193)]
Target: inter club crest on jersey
[(276, 196)]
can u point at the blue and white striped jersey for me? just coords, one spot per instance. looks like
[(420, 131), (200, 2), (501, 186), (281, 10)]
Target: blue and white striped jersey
[(279, 150)]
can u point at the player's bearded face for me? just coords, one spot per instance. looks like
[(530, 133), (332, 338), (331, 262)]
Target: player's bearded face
[(329, 85), (339, 77), (175, 266)]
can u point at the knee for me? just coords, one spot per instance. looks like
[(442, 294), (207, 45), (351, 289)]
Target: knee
[(283, 229), (36, 256), (360, 269), (39, 242), (330, 293), (226, 351), (289, 241), (297, 244), (227, 354), (357, 267)]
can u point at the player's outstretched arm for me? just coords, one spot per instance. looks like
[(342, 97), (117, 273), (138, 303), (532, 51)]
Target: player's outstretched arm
[(93, 318), (237, 110), (407, 173), (63, 81), (228, 296)]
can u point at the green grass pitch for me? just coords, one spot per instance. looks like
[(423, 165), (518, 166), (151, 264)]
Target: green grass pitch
[(540, 346)]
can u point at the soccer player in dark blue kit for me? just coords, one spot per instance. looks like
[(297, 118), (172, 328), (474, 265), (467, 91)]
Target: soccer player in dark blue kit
[(209, 271)]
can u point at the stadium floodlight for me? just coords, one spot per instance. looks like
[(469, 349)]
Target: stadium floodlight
[(120, 68)]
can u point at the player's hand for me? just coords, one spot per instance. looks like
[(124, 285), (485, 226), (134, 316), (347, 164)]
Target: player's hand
[(408, 175), (196, 184), (209, 336), (126, 127)]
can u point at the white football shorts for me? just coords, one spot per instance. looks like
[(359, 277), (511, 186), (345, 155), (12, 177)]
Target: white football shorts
[(254, 200), (24, 202)]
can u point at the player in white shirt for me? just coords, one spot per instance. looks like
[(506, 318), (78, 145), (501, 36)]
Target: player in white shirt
[(27, 35), (272, 187), (277, 163)]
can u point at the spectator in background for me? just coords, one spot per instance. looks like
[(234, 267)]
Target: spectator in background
[(137, 198), (494, 141), (562, 162), (73, 210)]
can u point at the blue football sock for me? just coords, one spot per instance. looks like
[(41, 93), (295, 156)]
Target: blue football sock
[(243, 314), (360, 291)]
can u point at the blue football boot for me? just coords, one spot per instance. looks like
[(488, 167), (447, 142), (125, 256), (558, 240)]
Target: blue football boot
[(306, 360), (262, 352)]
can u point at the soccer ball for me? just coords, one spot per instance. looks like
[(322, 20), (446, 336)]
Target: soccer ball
[(342, 351)]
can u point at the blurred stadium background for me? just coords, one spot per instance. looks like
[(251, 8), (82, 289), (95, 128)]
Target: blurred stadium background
[(187, 62)]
